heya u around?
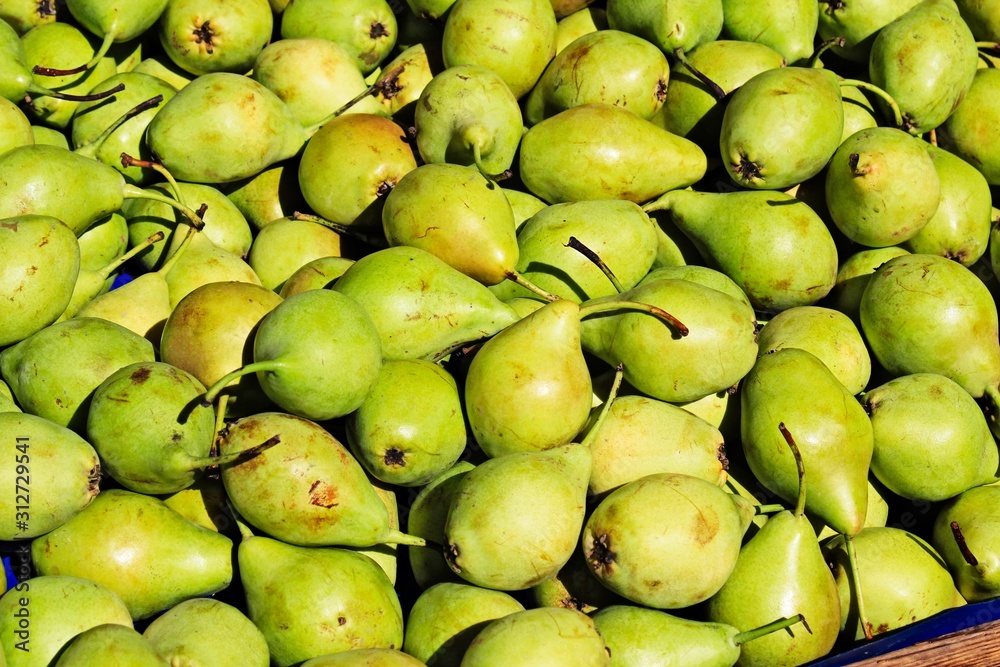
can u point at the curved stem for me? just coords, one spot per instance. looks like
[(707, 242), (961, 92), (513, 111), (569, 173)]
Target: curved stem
[(773, 626), (344, 230), (715, 89), (220, 422), (988, 46), (129, 161), (93, 97), (963, 547), (109, 39), (852, 557), (91, 149), (800, 504), (814, 61), (581, 248), (897, 116), (198, 462), (396, 537), (170, 261), (606, 306), (516, 277), (214, 390), (606, 408), (133, 192), (106, 271), (477, 157), (770, 509)]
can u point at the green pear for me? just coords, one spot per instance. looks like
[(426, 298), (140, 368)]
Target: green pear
[(926, 60), (399, 445), (703, 276), (208, 334), (547, 636), (662, 364), (309, 602), (972, 131), (853, 276), (208, 632), (901, 578), (7, 403), (964, 533), (318, 274), (165, 70), (932, 441), (634, 78), (514, 38), (41, 260), (960, 228), (203, 503), (427, 518), (351, 165), (981, 17), (364, 657), (385, 555), (54, 372), (581, 22), (859, 114), (150, 555), (406, 77), (876, 517), (564, 159), (787, 27), (223, 127), (103, 242), (41, 615), (23, 15), (66, 464), (680, 25), (447, 617), (111, 642), (115, 21), (574, 587), (523, 205), (286, 245), (828, 334), (792, 386), (204, 263), (269, 195), (928, 314), (420, 305), (774, 247), (684, 560), (310, 491), (366, 29), (858, 22), (456, 214), (204, 37), (50, 136), (495, 540), (15, 128)]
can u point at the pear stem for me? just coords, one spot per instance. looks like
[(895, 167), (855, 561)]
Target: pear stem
[(967, 554), (117, 263), (170, 261), (715, 89), (897, 116), (516, 277), (770, 509), (606, 408), (988, 46), (388, 80), (852, 557), (220, 422), (606, 306), (932, 138), (132, 192), (39, 91), (109, 39), (129, 161), (214, 390), (773, 626), (198, 462), (343, 230), (397, 537), (800, 503), (90, 149), (814, 61), (581, 248), (477, 156)]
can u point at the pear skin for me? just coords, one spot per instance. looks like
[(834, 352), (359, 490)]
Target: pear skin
[(113, 643), (207, 630), (975, 512), (427, 518), (546, 636)]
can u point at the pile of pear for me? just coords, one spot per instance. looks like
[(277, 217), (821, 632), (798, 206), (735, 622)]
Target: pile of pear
[(495, 332)]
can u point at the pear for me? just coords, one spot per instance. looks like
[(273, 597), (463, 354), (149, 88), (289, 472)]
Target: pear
[(408, 74), (859, 114), (514, 38), (926, 60), (876, 516), (581, 22), (495, 540), (286, 245), (972, 131), (385, 555), (447, 617), (103, 242), (420, 305), (523, 205), (641, 436), (574, 587), (209, 632), (427, 518), (964, 533), (45, 451), (35, 293), (638, 637), (223, 127), (682, 25), (787, 27), (317, 355), (660, 363), (635, 78), (901, 578), (204, 37), (309, 492), (208, 334), (311, 602), (203, 503), (364, 657), (828, 334), (782, 572), (365, 28), (398, 445), (928, 314), (456, 214), (7, 403), (117, 644), (351, 165), (546, 636), (47, 135), (960, 228), (858, 23), (923, 418), (317, 274), (40, 615), (150, 555), (269, 195), (15, 126), (165, 70), (701, 275), (204, 263), (853, 276), (774, 247), (23, 15), (54, 372), (794, 387), (563, 159), (685, 560)]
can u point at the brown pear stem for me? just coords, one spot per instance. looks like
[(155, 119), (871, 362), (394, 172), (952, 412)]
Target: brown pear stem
[(90, 149), (343, 230), (109, 39), (595, 259), (967, 554), (852, 557), (606, 306), (814, 61), (800, 503), (198, 462), (220, 421), (385, 83), (765, 630), (39, 91), (129, 161), (606, 408), (715, 89), (516, 277)]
